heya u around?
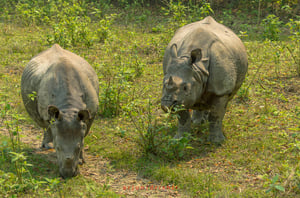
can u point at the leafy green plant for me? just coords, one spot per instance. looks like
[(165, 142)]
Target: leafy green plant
[(271, 27), (275, 187), (70, 28), (104, 27), (177, 148), (243, 93), (294, 48), (278, 50), (177, 13), (157, 139), (28, 15), (180, 13), (12, 126), (111, 97), (22, 179), (20, 165), (71, 31), (53, 183), (118, 76), (115, 86), (4, 110), (198, 11)]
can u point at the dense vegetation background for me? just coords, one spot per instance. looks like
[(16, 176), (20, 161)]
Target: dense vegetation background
[(131, 144)]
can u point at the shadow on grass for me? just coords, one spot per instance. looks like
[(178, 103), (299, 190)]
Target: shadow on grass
[(43, 161), (41, 164)]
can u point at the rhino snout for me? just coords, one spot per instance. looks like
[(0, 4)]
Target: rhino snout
[(69, 167), (68, 172)]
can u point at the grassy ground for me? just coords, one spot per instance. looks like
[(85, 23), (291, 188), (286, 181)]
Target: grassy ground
[(260, 157)]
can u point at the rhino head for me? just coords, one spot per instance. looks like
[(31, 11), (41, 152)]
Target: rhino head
[(68, 129), (185, 79)]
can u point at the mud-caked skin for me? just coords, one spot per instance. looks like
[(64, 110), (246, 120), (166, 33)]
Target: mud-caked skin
[(60, 93), (204, 65)]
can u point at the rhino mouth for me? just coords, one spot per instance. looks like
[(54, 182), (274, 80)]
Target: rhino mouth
[(69, 173), (168, 105)]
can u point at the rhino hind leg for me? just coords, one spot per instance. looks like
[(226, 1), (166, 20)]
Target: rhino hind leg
[(47, 139), (215, 119), (81, 157), (184, 123), (199, 117)]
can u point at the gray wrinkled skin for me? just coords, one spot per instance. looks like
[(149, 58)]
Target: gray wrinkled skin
[(65, 103), (204, 65)]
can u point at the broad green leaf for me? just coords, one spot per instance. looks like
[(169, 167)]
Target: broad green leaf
[(281, 188)]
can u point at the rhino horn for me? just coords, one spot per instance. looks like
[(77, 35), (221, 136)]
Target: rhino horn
[(196, 55), (170, 81), (54, 112), (174, 50), (84, 115)]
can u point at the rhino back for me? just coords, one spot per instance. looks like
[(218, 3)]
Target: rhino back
[(59, 78)]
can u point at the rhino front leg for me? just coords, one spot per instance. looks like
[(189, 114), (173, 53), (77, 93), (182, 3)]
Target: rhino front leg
[(215, 119), (184, 123), (199, 117), (47, 139)]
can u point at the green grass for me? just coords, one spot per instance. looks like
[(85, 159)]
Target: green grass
[(261, 123)]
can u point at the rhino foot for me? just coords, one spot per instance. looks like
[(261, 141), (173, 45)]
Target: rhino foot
[(181, 131), (177, 136), (47, 139), (46, 146), (82, 161), (216, 138)]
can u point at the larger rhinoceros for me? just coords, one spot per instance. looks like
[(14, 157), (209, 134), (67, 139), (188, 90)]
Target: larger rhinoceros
[(204, 65), (60, 93)]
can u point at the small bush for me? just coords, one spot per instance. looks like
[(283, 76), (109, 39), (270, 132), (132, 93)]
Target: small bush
[(112, 96), (104, 28), (271, 27), (157, 139), (177, 14), (181, 14), (294, 49), (70, 28)]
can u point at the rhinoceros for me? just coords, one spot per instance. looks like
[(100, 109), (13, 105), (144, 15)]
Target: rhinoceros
[(204, 65), (60, 93)]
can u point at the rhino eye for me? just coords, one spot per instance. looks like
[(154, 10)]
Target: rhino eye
[(58, 148), (185, 88)]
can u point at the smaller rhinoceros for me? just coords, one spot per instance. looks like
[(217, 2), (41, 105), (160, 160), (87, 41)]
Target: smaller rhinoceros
[(204, 65), (60, 92)]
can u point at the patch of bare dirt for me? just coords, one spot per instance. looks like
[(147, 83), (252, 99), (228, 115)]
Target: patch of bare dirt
[(124, 182)]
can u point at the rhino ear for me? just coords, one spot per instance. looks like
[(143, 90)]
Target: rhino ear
[(196, 55), (197, 62), (174, 50), (54, 112), (84, 115)]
